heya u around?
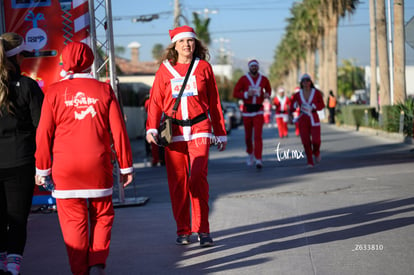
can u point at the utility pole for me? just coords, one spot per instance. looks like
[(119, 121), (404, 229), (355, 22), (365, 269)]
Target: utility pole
[(373, 56), (177, 13), (390, 54)]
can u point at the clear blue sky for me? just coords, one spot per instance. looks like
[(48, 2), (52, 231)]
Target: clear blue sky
[(249, 29)]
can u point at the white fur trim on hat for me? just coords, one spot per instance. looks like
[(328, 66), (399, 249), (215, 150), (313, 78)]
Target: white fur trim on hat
[(251, 63), (63, 73), (183, 35)]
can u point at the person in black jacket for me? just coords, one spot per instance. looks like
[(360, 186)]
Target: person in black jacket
[(20, 106)]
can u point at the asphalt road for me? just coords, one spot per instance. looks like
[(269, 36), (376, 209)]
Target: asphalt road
[(352, 214)]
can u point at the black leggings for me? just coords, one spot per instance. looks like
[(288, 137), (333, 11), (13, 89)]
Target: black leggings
[(16, 193)]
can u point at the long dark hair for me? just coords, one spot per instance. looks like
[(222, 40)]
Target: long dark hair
[(171, 54), (8, 67)]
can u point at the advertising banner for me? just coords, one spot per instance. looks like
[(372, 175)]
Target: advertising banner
[(47, 26)]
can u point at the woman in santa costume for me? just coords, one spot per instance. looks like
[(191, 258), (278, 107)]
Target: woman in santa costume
[(253, 88), (282, 103), (80, 120), (309, 100), (295, 113), (186, 158)]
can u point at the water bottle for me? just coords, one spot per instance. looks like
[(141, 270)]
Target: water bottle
[(48, 183)]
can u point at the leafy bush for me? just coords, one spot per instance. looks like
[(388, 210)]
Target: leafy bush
[(392, 117)]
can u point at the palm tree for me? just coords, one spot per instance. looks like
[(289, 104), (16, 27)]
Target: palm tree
[(201, 28), (334, 10), (373, 56), (381, 22), (399, 53), (350, 78)]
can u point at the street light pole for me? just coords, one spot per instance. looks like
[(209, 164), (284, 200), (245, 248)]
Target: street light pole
[(390, 54)]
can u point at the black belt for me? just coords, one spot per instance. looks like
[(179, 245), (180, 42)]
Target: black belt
[(189, 122), (313, 111)]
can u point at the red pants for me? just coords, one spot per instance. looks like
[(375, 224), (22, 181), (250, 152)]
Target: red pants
[(266, 118), (311, 138), (86, 249), (187, 165), (297, 132), (254, 123), (282, 127)]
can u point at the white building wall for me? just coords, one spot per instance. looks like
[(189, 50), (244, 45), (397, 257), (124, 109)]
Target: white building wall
[(409, 79)]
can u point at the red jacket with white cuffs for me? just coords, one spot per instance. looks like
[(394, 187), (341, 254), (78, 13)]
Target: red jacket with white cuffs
[(309, 107), (200, 97), (80, 120), (261, 85)]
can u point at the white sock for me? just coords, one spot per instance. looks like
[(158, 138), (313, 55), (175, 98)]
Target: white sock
[(13, 263), (3, 261)]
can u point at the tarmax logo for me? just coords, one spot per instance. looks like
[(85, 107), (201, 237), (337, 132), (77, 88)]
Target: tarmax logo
[(36, 38)]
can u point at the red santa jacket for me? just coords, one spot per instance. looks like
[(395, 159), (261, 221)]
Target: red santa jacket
[(80, 119), (282, 105), (252, 105), (200, 97), (308, 108)]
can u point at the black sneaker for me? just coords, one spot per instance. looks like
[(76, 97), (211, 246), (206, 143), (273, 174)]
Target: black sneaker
[(183, 240), (259, 164), (205, 240)]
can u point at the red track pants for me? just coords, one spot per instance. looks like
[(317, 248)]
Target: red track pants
[(86, 249), (311, 138), (255, 124), (187, 165), (282, 127)]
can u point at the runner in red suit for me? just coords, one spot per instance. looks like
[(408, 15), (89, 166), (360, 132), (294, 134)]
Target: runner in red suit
[(199, 111), (295, 113), (80, 120), (253, 88), (309, 100), (282, 104)]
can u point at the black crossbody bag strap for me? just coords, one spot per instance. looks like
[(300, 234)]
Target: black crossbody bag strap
[(177, 101)]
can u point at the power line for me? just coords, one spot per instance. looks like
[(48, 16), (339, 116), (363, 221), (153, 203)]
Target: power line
[(232, 31)]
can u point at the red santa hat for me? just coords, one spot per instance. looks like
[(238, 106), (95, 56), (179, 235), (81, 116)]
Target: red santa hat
[(77, 57), (182, 32), (253, 62)]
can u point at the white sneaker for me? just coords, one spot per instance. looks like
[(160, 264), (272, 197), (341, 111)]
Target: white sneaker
[(259, 164), (249, 160)]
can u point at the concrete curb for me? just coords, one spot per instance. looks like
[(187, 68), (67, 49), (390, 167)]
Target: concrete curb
[(376, 132)]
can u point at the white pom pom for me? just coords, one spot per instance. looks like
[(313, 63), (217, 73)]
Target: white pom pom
[(63, 73)]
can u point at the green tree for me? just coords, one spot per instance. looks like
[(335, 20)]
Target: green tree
[(201, 28), (350, 78), (119, 50), (157, 51)]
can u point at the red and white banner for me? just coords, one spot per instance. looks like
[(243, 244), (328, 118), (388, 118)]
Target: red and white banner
[(47, 26)]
